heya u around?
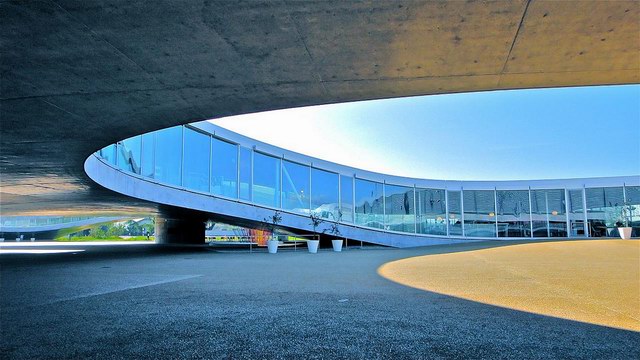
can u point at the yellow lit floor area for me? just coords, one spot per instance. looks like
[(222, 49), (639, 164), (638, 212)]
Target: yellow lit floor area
[(593, 281)]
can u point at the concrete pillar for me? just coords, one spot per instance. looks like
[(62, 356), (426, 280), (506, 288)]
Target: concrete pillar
[(180, 228)]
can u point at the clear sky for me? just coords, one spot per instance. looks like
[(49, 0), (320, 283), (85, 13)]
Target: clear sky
[(495, 135)]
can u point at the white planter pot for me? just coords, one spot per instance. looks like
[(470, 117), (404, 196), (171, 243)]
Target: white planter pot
[(272, 245), (337, 245), (312, 245), (625, 232)]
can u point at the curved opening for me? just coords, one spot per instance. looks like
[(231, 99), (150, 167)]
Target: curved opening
[(190, 166)]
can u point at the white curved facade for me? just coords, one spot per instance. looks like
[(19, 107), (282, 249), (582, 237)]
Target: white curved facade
[(205, 167)]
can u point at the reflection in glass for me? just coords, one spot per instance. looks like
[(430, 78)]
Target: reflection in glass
[(576, 213), (295, 187), (108, 153), (432, 211), (479, 213), (369, 204), (266, 180), (399, 211), (147, 161), (245, 173), (632, 194), (454, 199), (346, 198), (548, 213), (129, 154), (604, 205), (513, 213), (324, 194), (169, 155), (196, 160), (224, 168)]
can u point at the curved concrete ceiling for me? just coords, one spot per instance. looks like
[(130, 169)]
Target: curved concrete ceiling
[(78, 76)]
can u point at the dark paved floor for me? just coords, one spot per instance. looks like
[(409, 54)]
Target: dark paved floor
[(146, 302)]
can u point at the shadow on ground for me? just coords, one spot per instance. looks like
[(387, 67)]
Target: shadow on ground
[(152, 302)]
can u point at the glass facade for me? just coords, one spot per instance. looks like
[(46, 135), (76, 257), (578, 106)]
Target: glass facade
[(295, 187), (168, 159), (197, 148), (604, 206), (108, 153), (576, 213), (513, 213), (479, 213), (193, 159), (346, 198), (129, 154), (548, 213), (147, 163), (224, 168), (399, 208), (324, 194), (266, 180), (369, 206), (454, 203), (245, 174), (632, 198), (431, 209)]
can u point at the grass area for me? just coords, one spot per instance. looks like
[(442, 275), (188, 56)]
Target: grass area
[(112, 238)]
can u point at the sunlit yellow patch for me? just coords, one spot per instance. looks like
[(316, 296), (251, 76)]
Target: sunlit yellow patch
[(594, 281)]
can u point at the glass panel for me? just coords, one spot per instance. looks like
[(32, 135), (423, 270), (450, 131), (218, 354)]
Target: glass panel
[(266, 180), (346, 198), (295, 187), (633, 206), (324, 194), (129, 154), (169, 155), (479, 213), (432, 211), (224, 168), (399, 211), (108, 153), (369, 202), (148, 145), (548, 213), (513, 213), (455, 212), (604, 206), (245, 173), (196, 160), (576, 213)]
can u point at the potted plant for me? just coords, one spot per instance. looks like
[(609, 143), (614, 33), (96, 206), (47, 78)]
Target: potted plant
[(271, 223), (624, 224), (312, 245), (335, 231)]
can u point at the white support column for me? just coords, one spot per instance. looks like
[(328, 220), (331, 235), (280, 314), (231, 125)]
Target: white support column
[(182, 157), (495, 208), (211, 162), (446, 210), (567, 208), (415, 211), (462, 210), (585, 224), (530, 215)]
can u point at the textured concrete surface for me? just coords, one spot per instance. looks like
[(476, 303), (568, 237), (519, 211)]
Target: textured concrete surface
[(596, 282), (149, 302), (79, 75)]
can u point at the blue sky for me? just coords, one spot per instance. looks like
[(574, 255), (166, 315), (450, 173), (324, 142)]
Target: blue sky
[(495, 135)]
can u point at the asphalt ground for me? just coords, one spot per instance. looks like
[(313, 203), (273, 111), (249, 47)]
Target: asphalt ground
[(150, 302)]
